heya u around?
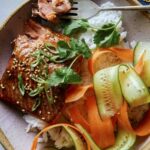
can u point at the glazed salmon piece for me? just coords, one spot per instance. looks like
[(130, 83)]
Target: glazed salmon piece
[(20, 64)]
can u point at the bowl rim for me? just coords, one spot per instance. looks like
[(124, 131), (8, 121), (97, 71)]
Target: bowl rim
[(13, 13)]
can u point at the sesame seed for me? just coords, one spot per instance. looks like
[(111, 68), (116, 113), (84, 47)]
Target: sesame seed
[(8, 71), (27, 78), (56, 96), (17, 102), (13, 87), (2, 86), (48, 113), (40, 111), (43, 118), (23, 110), (9, 74)]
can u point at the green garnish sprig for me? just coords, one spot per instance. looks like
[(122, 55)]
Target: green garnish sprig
[(106, 36), (59, 77), (21, 85), (65, 51)]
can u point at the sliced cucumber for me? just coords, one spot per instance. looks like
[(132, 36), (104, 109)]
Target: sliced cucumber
[(146, 73), (89, 138), (78, 143), (133, 88), (108, 91), (139, 50), (124, 141), (143, 47)]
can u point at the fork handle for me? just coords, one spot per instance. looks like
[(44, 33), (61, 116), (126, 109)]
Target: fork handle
[(126, 8)]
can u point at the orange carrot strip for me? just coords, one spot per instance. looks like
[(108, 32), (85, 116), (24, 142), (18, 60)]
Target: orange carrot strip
[(123, 53), (144, 127), (123, 119), (75, 93), (101, 131), (139, 66), (35, 141), (78, 118), (92, 60)]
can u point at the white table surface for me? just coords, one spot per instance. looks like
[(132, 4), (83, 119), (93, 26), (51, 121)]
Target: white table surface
[(12, 123)]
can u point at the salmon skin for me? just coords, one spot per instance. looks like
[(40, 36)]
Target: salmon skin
[(20, 64)]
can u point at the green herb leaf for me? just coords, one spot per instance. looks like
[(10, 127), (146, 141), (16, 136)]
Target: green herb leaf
[(71, 77), (75, 26), (80, 47), (63, 76), (55, 79), (36, 104), (73, 48), (21, 85), (107, 36), (63, 49)]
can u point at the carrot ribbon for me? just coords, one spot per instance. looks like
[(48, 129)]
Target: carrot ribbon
[(125, 55), (101, 131), (143, 128), (35, 141)]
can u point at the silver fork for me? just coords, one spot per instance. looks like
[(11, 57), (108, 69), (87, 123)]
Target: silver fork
[(87, 9)]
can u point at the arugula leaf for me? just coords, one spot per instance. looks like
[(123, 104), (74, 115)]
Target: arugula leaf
[(21, 85), (36, 104), (63, 76), (75, 26), (107, 36)]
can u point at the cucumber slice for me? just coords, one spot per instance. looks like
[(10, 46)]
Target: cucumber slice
[(124, 141), (139, 50), (108, 91), (89, 138), (78, 143), (133, 88), (146, 73)]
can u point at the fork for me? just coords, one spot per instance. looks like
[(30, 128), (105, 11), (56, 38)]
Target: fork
[(87, 9)]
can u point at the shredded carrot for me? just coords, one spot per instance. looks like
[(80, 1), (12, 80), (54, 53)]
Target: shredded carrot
[(77, 118), (144, 127), (140, 65), (92, 60), (101, 131), (123, 119), (123, 53), (75, 93), (35, 141)]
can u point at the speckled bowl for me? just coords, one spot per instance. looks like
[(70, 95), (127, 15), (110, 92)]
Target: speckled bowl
[(137, 25)]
